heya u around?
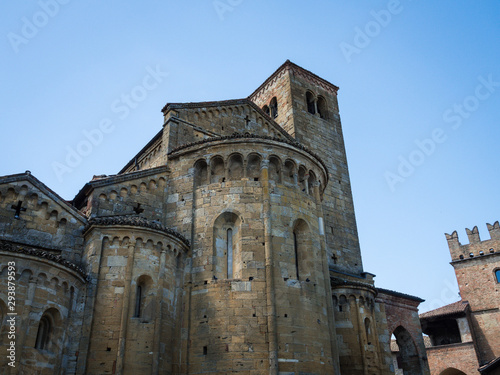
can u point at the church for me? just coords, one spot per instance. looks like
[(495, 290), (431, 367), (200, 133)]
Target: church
[(228, 244)]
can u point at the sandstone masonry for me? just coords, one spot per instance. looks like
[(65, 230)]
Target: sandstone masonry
[(228, 244)]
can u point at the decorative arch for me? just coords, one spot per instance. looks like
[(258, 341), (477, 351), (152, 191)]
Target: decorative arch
[(302, 245), (407, 357), (235, 167), (302, 179), (253, 167), (227, 246), (274, 171), (217, 170), (311, 183), (289, 172)]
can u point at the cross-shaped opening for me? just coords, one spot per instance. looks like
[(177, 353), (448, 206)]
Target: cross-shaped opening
[(138, 210), (18, 209)]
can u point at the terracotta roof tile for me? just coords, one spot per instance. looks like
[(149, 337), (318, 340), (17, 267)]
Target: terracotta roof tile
[(458, 307)]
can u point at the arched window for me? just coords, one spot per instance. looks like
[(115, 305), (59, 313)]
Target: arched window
[(49, 331), (310, 102), (144, 299), (303, 251), (266, 110), (43, 333), (273, 106), (497, 275), (227, 263), (322, 108)]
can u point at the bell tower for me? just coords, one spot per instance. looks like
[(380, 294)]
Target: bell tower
[(306, 106)]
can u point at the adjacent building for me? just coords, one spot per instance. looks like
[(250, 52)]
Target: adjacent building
[(465, 335)]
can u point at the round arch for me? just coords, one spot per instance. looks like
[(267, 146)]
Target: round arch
[(452, 371), (408, 357)]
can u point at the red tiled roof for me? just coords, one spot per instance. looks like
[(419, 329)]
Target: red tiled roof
[(458, 307)]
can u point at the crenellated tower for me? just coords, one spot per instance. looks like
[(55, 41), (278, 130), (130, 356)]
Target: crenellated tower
[(477, 268)]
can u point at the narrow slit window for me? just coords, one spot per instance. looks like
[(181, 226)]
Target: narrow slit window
[(273, 106), (310, 103), (295, 246), (138, 300), (229, 253)]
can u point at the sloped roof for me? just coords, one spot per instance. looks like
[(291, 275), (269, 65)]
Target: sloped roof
[(290, 65), (136, 221), (458, 307), (27, 176), (223, 103), (399, 294)]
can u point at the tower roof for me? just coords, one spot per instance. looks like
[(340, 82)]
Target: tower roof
[(301, 71)]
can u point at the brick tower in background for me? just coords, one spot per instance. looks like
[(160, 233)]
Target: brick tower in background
[(465, 335)]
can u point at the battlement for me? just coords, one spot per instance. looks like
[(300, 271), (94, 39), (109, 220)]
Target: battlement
[(475, 247)]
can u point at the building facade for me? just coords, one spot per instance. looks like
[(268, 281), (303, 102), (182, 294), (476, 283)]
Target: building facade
[(465, 335), (227, 244)]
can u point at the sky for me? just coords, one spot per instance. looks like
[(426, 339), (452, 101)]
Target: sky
[(82, 85)]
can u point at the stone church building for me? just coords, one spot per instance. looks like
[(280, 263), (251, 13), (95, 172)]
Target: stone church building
[(228, 244)]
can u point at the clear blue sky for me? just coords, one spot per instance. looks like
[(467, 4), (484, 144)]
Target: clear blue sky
[(408, 71)]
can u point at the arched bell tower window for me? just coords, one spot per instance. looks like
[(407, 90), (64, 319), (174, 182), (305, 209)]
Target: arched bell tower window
[(310, 102), (273, 107), (266, 110), (322, 109), (497, 275)]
